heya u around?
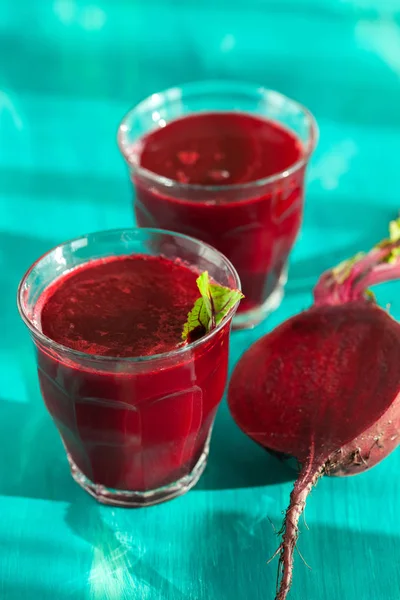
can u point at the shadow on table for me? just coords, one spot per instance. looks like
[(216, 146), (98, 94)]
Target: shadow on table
[(235, 461)]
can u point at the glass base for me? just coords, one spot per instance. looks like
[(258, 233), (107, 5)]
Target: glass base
[(132, 499), (251, 318)]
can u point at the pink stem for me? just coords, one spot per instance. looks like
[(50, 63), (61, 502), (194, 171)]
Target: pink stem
[(380, 274), (351, 282)]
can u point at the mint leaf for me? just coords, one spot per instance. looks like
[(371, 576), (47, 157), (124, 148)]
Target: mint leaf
[(210, 309), (197, 324), (223, 300), (203, 283)]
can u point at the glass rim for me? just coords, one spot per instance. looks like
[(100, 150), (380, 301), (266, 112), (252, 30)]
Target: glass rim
[(47, 341), (157, 99)]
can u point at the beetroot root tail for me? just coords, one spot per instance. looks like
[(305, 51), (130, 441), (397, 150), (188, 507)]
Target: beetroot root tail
[(308, 477)]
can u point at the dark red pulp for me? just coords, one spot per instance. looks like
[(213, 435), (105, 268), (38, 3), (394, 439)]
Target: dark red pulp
[(318, 380)]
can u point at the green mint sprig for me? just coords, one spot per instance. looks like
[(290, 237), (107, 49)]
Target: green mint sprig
[(209, 310)]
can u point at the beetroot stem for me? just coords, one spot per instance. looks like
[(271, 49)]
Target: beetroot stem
[(308, 477), (349, 281), (380, 274)]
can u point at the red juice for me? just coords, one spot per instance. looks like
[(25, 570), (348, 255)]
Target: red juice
[(253, 224), (129, 425)]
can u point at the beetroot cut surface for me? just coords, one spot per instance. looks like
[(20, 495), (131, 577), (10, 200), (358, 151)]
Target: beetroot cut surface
[(324, 387)]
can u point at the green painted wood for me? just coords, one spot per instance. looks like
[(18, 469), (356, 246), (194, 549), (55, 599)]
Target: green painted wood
[(68, 72)]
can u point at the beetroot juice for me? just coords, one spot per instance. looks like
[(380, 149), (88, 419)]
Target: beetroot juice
[(133, 405), (256, 233), (230, 178), (121, 306)]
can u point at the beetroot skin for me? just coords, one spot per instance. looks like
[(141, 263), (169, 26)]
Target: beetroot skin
[(324, 387)]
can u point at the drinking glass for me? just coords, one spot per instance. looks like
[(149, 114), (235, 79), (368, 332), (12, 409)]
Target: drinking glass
[(254, 224), (136, 430)]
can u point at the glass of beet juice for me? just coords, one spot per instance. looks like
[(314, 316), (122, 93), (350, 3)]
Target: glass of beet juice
[(225, 163), (134, 405)]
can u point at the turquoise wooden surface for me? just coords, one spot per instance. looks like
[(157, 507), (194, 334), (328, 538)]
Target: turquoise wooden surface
[(68, 72)]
